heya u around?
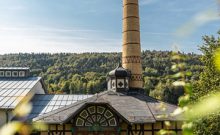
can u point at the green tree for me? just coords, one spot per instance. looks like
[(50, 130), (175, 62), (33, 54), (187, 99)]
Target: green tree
[(65, 87), (209, 83)]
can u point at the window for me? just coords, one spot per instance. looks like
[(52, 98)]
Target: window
[(108, 114), (8, 73), (100, 109), (96, 117), (80, 122), (84, 114), (113, 84), (112, 122), (126, 83), (14, 73), (21, 74), (120, 83), (2, 73), (91, 109)]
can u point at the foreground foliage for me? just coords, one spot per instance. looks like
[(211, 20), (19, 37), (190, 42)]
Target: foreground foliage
[(208, 84)]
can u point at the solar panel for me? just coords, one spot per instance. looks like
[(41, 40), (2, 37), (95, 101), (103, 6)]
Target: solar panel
[(12, 91), (2, 102), (11, 85), (52, 103), (75, 97), (25, 92), (70, 97), (7, 92), (27, 84), (58, 103), (2, 92), (49, 108), (18, 84), (68, 102), (44, 110), (43, 103), (63, 103), (55, 97), (7, 85), (17, 100), (3, 83), (21, 85), (65, 97), (19, 92), (9, 102), (60, 97), (46, 103), (1, 98), (55, 107)]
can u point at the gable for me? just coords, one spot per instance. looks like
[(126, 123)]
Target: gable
[(96, 115)]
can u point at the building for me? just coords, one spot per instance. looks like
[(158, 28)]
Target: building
[(123, 109)]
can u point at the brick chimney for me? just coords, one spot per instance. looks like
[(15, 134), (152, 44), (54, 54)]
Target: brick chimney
[(131, 52)]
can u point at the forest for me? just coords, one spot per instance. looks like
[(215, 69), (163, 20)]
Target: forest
[(86, 73)]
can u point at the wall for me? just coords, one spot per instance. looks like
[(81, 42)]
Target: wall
[(136, 129), (2, 118)]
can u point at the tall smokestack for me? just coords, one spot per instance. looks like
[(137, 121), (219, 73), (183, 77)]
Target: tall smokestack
[(131, 53)]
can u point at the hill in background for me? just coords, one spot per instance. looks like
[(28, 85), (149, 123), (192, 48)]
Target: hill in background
[(86, 73)]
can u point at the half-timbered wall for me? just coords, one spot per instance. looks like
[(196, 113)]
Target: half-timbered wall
[(123, 129)]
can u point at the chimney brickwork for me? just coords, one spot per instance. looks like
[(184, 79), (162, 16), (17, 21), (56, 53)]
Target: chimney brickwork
[(131, 53)]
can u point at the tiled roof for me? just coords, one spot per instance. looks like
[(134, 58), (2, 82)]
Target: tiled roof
[(133, 108), (13, 90), (43, 104)]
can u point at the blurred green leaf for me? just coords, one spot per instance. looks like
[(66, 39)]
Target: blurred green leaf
[(167, 123), (184, 100), (23, 109), (11, 128), (217, 59), (178, 75), (166, 132), (40, 126), (176, 57), (204, 107), (179, 83), (188, 88), (174, 67), (177, 112), (188, 73), (187, 128)]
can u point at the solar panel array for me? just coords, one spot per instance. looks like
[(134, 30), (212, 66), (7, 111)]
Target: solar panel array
[(13, 90), (43, 104)]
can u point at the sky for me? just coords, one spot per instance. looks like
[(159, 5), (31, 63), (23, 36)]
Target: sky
[(77, 26)]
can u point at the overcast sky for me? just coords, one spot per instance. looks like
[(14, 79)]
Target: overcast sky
[(96, 25)]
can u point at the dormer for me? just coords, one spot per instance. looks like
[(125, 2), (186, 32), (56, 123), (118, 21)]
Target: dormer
[(14, 72), (118, 79)]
